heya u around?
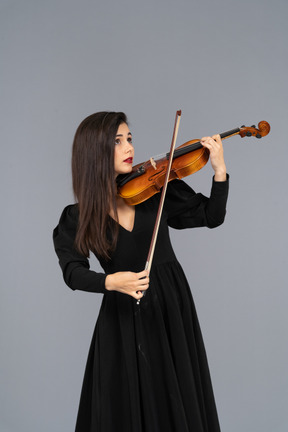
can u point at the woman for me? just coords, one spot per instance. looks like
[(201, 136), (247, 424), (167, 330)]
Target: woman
[(147, 369)]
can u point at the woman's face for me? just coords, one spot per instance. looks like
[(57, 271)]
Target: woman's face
[(124, 150)]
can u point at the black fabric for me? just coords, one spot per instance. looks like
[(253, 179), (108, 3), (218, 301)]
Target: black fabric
[(147, 369)]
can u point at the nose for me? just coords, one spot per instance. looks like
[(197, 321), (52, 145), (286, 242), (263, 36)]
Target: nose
[(129, 147)]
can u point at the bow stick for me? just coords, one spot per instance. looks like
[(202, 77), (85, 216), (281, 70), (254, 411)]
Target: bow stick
[(162, 199)]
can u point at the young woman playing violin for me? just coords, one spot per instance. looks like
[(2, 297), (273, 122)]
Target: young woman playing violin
[(147, 369)]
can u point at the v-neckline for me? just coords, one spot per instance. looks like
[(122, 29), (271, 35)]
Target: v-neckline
[(125, 229), (133, 225)]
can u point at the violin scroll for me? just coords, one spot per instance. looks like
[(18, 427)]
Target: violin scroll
[(263, 130)]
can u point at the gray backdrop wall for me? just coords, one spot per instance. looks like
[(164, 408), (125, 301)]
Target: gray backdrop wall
[(224, 63)]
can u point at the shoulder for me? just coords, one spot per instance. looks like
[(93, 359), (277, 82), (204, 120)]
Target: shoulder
[(69, 217), (178, 193), (179, 196), (178, 186), (70, 211), (176, 189)]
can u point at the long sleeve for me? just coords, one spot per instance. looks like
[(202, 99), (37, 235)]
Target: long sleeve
[(187, 209), (75, 267)]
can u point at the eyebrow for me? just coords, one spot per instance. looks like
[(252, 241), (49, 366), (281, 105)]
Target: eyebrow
[(121, 135)]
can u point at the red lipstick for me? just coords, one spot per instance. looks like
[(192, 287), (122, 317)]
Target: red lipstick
[(129, 160)]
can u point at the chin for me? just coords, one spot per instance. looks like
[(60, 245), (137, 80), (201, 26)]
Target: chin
[(126, 170)]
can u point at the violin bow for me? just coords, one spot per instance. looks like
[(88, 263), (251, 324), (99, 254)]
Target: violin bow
[(162, 199)]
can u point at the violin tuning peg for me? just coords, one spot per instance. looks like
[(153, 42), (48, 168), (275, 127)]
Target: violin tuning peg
[(253, 126), (249, 134), (243, 126), (258, 135)]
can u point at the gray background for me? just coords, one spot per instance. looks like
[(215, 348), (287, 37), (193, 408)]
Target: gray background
[(224, 63)]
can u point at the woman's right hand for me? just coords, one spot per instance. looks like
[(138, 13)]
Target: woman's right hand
[(128, 283)]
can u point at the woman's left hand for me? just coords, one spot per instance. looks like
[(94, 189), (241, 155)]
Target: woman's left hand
[(215, 147)]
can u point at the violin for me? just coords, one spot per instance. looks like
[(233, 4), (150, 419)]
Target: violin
[(146, 179)]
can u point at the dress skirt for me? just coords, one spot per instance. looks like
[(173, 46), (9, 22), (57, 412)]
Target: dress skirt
[(147, 369)]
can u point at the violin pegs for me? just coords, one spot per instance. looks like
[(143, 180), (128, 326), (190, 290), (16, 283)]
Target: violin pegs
[(258, 136), (243, 126), (248, 134), (253, 126)]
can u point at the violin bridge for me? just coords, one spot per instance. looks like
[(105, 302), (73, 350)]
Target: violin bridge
[(153, 163)]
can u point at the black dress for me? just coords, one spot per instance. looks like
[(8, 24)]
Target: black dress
[(147, 369)]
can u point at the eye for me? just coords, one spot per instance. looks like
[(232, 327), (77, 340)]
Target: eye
[(129, 139), (117, 141)]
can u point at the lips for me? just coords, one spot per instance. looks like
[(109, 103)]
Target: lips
[(129, 160)]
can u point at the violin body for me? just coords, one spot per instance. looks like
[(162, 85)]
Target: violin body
[(147, 179), (151, 181)]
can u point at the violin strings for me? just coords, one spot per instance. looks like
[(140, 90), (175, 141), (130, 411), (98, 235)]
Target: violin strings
[(156, 157), (178, 152)]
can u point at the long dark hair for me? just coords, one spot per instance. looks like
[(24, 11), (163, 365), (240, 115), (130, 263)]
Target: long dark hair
[(94, 182)]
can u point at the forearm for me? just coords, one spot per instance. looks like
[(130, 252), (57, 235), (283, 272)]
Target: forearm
[(79, 277), (216, 205)]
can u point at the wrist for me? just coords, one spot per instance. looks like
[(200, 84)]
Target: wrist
[(108, 285), (220, 174)]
